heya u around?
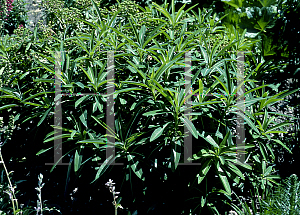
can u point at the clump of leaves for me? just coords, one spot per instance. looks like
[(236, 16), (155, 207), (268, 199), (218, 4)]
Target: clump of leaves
[(59, 16), (284, 200)]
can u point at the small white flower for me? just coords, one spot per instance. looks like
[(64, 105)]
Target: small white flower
[(75, 190), (9, 193), (232, 213)]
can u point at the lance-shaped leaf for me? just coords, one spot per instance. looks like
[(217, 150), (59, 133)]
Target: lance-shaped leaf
[(283, 145), (277, 126), (175, 155), (190, 126), (83, 118), (57, 137), (104, 166), (8, 106), (135, 166), (236, 170), (44, 116), (209, 139), (154, 112), (204, 170), (158, 132), (224, 180), (77, 161), (223, 85), (249, 122)]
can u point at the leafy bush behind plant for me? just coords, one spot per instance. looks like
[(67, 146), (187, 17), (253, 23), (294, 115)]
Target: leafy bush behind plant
[(12, 18), (285, 199)]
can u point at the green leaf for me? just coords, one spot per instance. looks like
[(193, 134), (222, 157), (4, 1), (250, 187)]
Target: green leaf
[(200, 91), (236, 170), (83, 118), (163, 68), (277, 126), (44, 116), (78, 102), (105, 126), (153, 113), (43, 150), (59, 160), (223, 85), (94, 141), (194, 104), (222, 144), (77, 161), (205, 56), (282, 144), (234, 3), (164, 12), (247, 166), (134, 166), (8, 106), (211, 141), (44, 80), (97, 10), (190, 126), (224, 180), (1, 70), (79, 84), (122, 91), (14, 94), (204, 170), (287, 93), (104, 166), (261, 25), (249, 122), (73, 134), (57, 137), (142, 34), (158, 132), (263, 150), (203, 200), (33, 104), (267, 3), (175, 155), (268, 171)]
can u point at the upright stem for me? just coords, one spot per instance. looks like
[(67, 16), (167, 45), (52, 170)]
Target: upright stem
[(11, 187), (41, 201), (116, 208)]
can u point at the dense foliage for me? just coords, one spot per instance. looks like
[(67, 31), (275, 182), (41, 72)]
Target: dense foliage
[(150, 105), (13, 15)]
